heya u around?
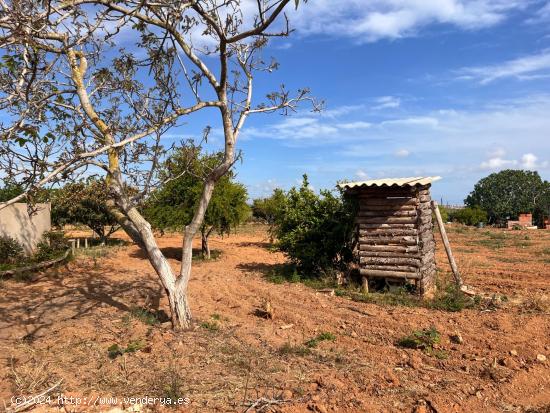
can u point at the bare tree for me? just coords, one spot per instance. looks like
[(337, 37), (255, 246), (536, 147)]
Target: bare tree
[(73, 103)]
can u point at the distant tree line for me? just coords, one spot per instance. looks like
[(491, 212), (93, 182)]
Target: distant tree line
[(506, 194)]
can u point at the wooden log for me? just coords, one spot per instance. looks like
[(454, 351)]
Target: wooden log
[(422, 207), (395, 254), (386, 194), (388, 213), (389, 201), (392, 268), (365, 284), (386, 220), (389, 274), (424, 220), (427, 246), (368, 225), (425, 228), (365, 207), (414, 262), (388, 248), (458, 278), (429, 257), (391, 241), (375, 232), (387, 190), (389, 254), (424, 198)]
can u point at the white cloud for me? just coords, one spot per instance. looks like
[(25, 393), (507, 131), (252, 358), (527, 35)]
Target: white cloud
[(402, 153), (355, 125), (531, 161), (263, 189), (542, 14), (372, 20), (526, 67), (317, 129), (497, 163), (361, 174), (414, 120), (341, 110), (527, 161), (493, 136), (497, 153), (387, 102)]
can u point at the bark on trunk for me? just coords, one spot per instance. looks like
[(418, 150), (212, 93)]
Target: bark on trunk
[(177, 293), (205, 247)]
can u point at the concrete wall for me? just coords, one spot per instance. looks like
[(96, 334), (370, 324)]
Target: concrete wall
[(28, 230)]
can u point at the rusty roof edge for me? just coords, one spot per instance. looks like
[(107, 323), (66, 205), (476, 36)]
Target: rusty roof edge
[(391, 182)]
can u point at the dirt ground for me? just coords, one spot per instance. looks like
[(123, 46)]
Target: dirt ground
[(62, 325)]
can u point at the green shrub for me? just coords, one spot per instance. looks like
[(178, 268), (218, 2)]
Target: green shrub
[(444, 213), (268, 209), (315, 231), (52, 245), (144, 315), (321, 337), (10, 250), (426, 340), (452, 299), (470, 215)]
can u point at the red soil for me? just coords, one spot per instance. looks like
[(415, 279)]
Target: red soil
[(61, 326)]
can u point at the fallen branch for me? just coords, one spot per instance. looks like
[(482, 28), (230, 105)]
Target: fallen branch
[(263, 402), (34, 267), (31, 401)]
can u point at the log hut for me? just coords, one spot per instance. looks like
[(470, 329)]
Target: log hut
[(395, 230)]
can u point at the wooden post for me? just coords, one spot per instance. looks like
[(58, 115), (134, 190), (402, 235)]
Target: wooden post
[(78, 243), (72, 241), (86, 242), (456, 274), (365, 285)]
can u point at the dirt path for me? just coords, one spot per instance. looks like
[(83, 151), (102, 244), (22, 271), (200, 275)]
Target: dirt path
[(62, 325)]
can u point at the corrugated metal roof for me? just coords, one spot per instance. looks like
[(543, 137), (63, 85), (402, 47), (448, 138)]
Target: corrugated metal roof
[(387, 182)]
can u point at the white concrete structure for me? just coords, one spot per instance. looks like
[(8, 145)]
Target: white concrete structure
[(26, 225)]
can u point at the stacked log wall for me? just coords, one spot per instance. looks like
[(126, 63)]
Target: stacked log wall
[(395, 234)]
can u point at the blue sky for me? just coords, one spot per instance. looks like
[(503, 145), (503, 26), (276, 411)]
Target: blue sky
[(455, 88)]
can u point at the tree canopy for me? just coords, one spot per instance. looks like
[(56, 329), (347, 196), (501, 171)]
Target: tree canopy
[(506, 194), (172, 205), (267, 209), (74, 98), (84, 202)]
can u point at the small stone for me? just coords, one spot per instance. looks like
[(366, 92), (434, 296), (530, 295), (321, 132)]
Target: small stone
[(353, 334), (287, 394), (317, 407), (510, 363), (321, 408), (420, 409), (415, 361), (456, 338), (392, 378), (541, 358), (513, 353)]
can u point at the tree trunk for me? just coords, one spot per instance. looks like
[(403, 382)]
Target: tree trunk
[(205, 248), (205, 245), (176, 291)]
